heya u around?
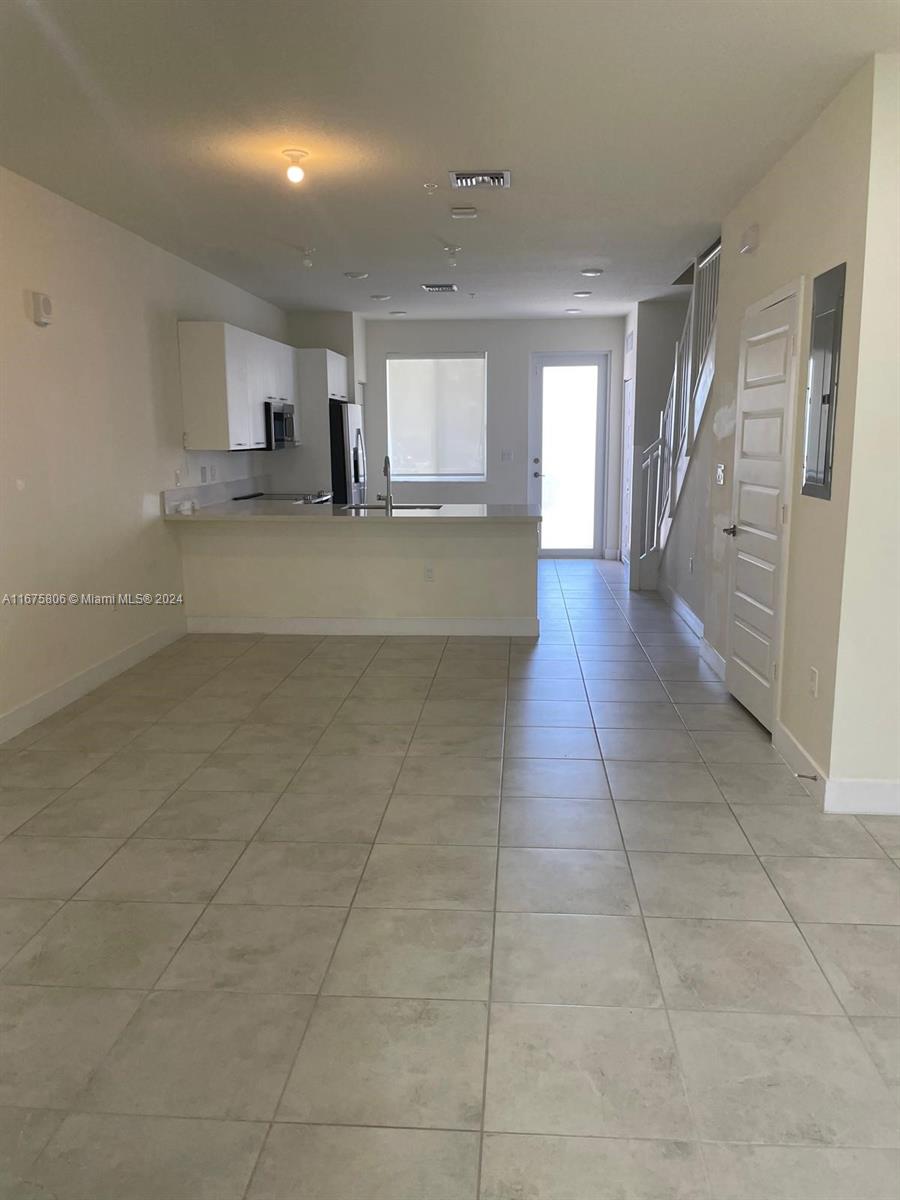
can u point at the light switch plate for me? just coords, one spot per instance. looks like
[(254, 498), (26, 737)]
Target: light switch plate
[(720, 473)]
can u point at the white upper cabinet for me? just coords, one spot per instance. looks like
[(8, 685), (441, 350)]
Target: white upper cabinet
[(336, 371)]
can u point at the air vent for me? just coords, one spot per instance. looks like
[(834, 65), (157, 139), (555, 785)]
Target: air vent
[(479, 179), (439, 287)]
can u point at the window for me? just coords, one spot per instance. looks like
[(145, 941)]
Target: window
[(436, 414), (822, 381)]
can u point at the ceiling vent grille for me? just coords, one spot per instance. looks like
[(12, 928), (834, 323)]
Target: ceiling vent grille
[(439, 287), (479, 179)]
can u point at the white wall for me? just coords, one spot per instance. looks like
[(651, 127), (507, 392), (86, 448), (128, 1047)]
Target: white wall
[(90, 415), (509, 345)]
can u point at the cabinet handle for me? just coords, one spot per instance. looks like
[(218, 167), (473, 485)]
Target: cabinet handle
[(240, 443)]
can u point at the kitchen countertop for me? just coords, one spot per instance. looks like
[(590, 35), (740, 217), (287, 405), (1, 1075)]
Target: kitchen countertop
[(285, 510)]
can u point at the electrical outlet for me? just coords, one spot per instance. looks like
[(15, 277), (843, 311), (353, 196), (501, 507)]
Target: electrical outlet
[(429, 573), (813, 683), (203, 474), (691, 565)]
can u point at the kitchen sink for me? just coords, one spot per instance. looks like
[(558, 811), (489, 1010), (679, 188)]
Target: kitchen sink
[(381, 507)]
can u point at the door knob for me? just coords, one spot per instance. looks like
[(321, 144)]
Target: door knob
[(538, 475), (731, 530)]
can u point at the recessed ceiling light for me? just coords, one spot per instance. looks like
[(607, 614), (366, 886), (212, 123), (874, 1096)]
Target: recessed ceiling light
[(295, 172), (430, 188), (581, 295), (591, 272), (572, 311), (397, 312), (356, 274), (463, 214), (379, 296)]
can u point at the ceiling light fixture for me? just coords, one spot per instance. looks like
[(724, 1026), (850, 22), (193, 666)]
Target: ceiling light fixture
[(582, 295), (306, 255), (295, 172), (591, 272), (573, 311), (430, 188), (356, 274), (379, 296)]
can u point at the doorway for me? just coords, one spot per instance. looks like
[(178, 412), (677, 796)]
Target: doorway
[(567, 462)]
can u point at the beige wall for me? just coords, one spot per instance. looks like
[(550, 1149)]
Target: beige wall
[(90, 431), (332, 329), (866, 738), (509, 346), (811, 209)]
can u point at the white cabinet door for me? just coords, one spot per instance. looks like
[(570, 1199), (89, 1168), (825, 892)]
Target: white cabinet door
[(236, 388), (336, 368), (255, 350)]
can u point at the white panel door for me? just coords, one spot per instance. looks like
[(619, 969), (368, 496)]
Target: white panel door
[(766, 385)]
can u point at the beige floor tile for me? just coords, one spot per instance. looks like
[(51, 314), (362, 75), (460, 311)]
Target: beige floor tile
[(480, 690), (803, 829), (435, 820), (616, 714), (429, 877), (333, 1162), (758, 783), (648, 745), (472, 667), (201, 1054), (83, 734), (390, 1062), (687, 782), (390, 687), (379, 712), (571, 714), (602, 1072), (568, 779), (341, 738), (221, 815), (862, 963), (757, 966), (24, 1132), (18, 805), (256, 948), (294, 873), (462, 712), (736, 747), (559, 824), (632, 653), (782, 1079), (113, 945), (886, 831), (545, 668), (315, 710), (565, 881), (89, 811), (155, 1158), (145, 770), (343, 774), (678, 826), (300, 818), (801, 1173), (47, 868), (547, 958), (244, 773), (413, 953), (547, 689), (299, 689), (719, 718), (552, 1168), (633, 671), (531, 741), (698, 693), (467, 740), (881, 1037), (284, 742), (170, 870), (20, 920), (48, 768), (53, 1038), (449, 776), (212, 709), (684, 671), (197, 737), (631, 691), (855, 891), (133, 708), (719, 886)]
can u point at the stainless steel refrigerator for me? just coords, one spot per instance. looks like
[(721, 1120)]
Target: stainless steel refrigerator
[(348, 452)]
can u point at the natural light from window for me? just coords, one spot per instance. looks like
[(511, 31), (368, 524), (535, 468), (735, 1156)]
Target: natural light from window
[(436, 411)]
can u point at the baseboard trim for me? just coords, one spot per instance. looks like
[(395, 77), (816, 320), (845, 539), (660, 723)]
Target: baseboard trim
[(363, 626), (50, 702), (682, 608), (800, 761), (712, 658), (864, 797)]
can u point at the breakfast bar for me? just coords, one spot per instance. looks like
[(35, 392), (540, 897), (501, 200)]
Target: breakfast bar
[(277, 567)]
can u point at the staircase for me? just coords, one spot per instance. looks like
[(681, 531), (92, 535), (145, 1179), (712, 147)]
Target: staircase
[(665, 461)]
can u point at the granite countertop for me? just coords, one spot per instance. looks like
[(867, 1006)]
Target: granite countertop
[(286, 510)]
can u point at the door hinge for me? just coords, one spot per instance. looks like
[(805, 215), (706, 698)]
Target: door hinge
[(774, 670), (784, 514)]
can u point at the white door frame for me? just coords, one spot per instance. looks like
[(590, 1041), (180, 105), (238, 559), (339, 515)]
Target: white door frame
[(575, 358), (792, 412)]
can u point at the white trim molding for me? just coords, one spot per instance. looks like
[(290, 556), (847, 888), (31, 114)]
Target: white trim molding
[(682, 608), (368, 626), (712, 658), (801, 763), (19, 719), (865, 797)]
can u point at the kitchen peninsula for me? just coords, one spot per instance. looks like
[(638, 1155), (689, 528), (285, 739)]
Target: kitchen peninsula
[(273, 566)]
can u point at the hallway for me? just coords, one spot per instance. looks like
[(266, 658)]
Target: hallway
[(440, 919)]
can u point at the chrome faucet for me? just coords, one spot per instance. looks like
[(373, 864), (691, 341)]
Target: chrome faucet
[(387, 497)]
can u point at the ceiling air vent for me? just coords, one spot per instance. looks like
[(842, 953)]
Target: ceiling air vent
[(479, 179), (439, 287)]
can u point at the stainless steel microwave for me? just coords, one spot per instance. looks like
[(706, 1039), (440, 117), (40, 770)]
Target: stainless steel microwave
[(281, 430)]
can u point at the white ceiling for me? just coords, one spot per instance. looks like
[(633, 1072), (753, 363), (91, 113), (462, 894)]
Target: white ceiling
[(630, 128)]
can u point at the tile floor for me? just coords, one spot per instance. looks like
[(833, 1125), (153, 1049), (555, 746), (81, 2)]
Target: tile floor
[(437, 919)]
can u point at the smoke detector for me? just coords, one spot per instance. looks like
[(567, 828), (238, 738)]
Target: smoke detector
[(439, 287), (479, 179)]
